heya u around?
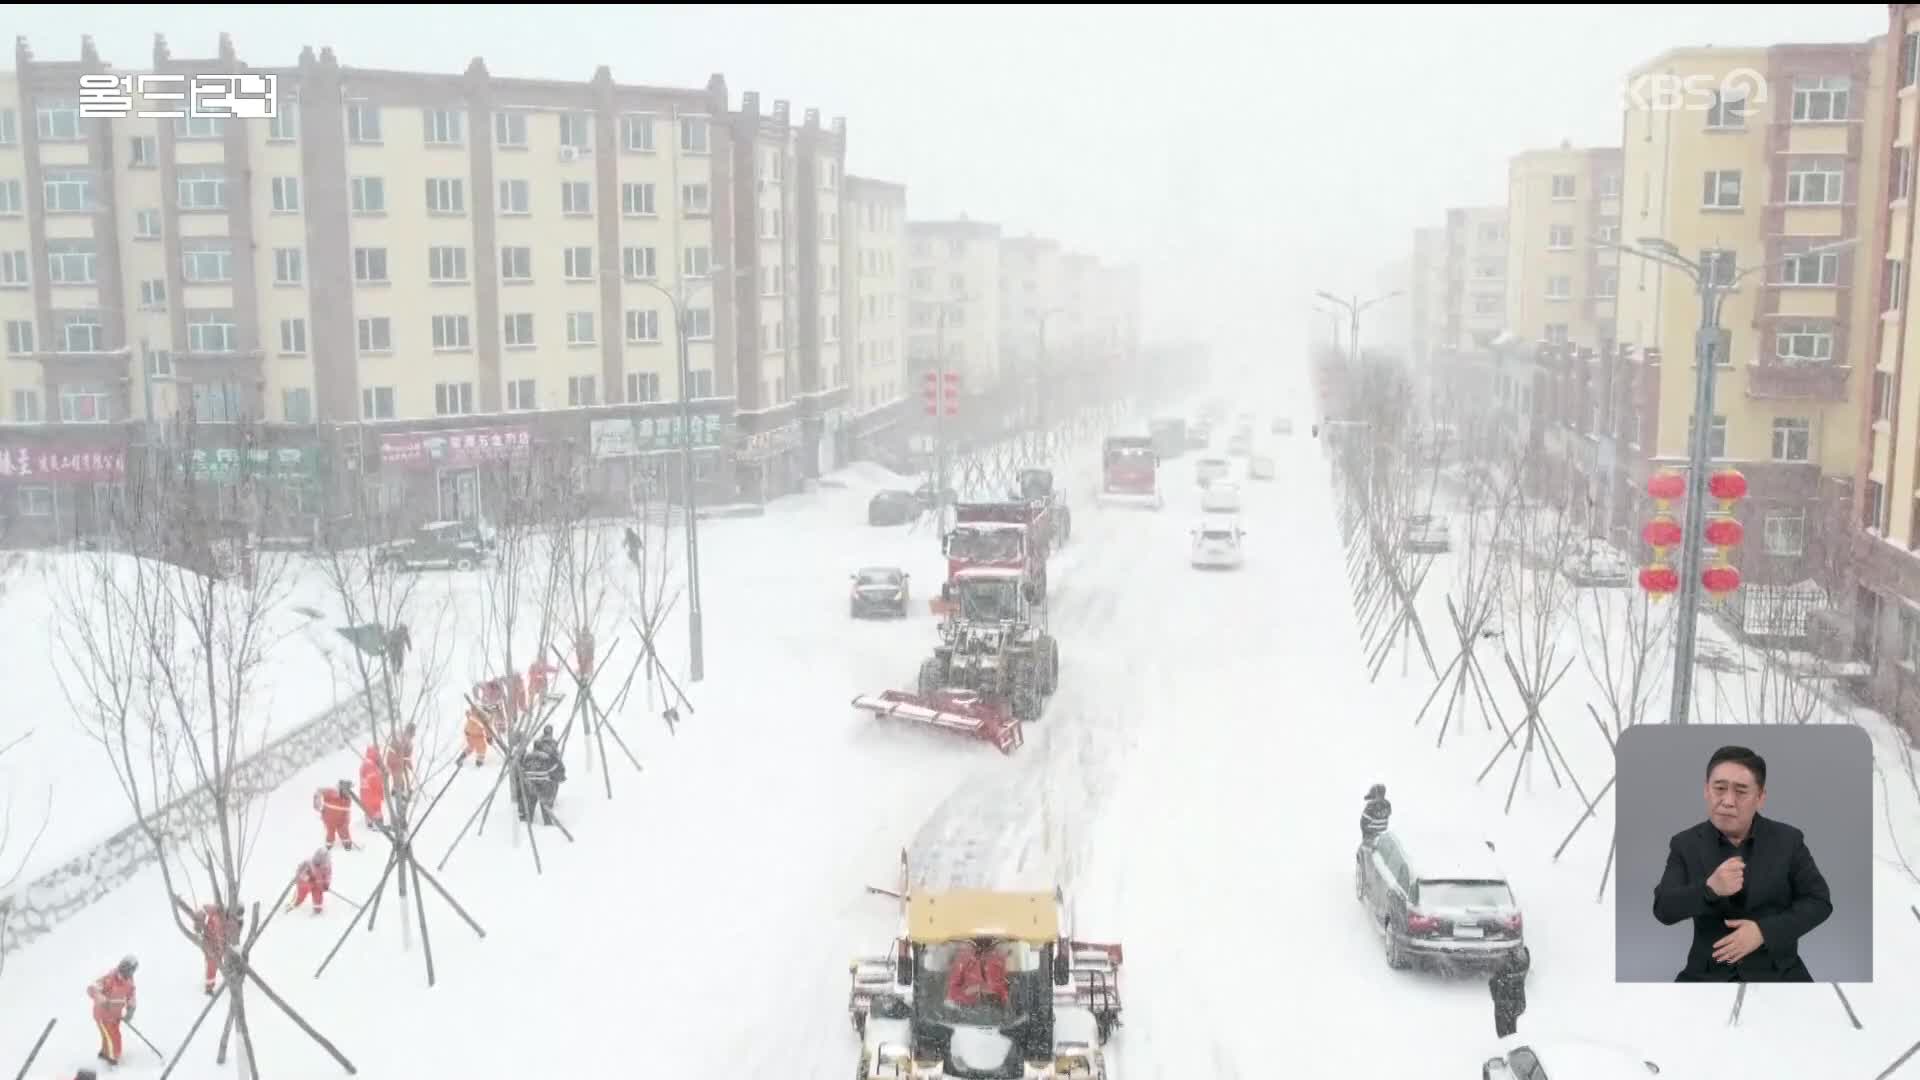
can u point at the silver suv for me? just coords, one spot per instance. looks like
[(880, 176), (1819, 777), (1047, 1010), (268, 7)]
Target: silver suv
[(1438, 899)]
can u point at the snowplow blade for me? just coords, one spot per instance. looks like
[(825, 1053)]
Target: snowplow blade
[(973, 718), (1148, 501)]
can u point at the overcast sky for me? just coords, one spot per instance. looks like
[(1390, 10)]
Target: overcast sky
[(1243, 157)]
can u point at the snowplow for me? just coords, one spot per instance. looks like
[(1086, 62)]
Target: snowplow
[(1036, 485), (997, 535), (1130, 472), (985, 984), (992, 670)]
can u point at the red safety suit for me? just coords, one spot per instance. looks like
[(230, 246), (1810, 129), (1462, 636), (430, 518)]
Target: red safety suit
[(336, 813), (313, 878), (213, 940), (113, 1000), (373, 789), (975, 975), (400, 763)]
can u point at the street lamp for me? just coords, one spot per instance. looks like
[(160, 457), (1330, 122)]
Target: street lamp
[(1705, 343), (1353, 308)]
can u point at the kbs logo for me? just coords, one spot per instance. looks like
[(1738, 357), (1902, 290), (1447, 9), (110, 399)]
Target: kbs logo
[(1662, 92)]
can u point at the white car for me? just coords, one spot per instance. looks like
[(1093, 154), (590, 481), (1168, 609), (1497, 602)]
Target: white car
[(1221, 497), (1260, 467), (1562, 1057), (1216, 543), (1209, 469)]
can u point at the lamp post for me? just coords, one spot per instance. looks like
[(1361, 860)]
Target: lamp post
[(1706, 346), (1353, 308)]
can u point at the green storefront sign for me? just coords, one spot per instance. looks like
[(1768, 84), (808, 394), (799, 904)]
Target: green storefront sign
[(285, 464), (625, 437)]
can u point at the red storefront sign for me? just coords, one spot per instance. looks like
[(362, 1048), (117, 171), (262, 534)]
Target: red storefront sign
[(53, 466), (460, 449)]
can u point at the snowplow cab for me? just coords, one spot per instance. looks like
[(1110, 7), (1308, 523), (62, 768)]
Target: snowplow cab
[(1036, 484)]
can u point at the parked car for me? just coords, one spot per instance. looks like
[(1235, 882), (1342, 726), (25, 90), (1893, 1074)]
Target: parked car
[(1438, 898), (1216, 543), (1523, 1057), (1429, 533), (1241, 444), (879, 590), (1221, 497), (892, 507), (1260, 467), (460, 545), (1209, 469)]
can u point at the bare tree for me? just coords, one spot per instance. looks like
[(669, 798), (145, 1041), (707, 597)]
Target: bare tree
[(1626, 641), (162, 648)]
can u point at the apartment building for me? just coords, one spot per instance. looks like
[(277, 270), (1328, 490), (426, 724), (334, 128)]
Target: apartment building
[(792, 390), (1113, 331), (1031, 315), (1427, 293), (953, 270), (459, 267), (1886, 497), (1076, 287), (1476, 296), (873, 303), (1563, 206), (1748, 184)]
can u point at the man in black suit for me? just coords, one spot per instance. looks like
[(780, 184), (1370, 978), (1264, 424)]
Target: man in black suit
[(1747, 882)]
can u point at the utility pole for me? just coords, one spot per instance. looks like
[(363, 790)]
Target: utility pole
[(696, 636)]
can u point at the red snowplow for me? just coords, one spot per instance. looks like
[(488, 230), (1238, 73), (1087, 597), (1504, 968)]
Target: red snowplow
[(955, 710), (1130, 472), (997, 535)]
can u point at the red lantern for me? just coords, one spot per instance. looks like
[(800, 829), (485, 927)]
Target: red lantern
[(1725, 532), (1659, 580), (1662, 532), (1666, 486), (1728, 486), (1720, 580)]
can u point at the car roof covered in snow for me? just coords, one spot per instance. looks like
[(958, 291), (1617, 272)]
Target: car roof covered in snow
[(1440, 854), (990, 573), (991, 526), (1579, 1058), (970, 913)]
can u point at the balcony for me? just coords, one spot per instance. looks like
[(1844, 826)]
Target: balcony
[(1801, 382)]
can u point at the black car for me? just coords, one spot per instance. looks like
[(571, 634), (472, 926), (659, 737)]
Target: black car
[(892, 508), (879, 590)]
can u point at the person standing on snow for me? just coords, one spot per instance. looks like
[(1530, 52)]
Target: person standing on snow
[(335, 806), (216, 929), (476, 732), (313, 878), (1374, 815), (1508, 985), (542, 772), (113, 1004), (373, 788)]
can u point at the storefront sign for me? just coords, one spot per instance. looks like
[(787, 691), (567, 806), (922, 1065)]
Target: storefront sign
[(23, 463), (224, 465), (460, 449), (624, 436), (766, 444)]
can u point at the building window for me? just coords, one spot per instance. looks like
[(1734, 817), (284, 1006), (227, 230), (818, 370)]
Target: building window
[(143, 152), (12, 200), (26, 407), (1803, 343), (198, 127), (643, 386), (580, 328), (285, 126), (696, 262), (217, 402), (451, 332), (84, 403), (1728, 111), (446, 196), (146, 225), (703, 383), (1610, 185), (445, 127), (693, 134), (1559, 287), (516, 264), (58, 121), (293, 337), (636, 133), (9, 128), (369, 195), (376, 334), (207, 260), (1900, 177), (699, 324), (1792, 439), (70, 191), (1559, 237), (520, 395), (510, 130), (446, 264), (363, 122), (370, 265), (286, 194), (1784, 532), (693, 199), (636, 200), (643, 325), (1563, 186), (1489, 269), (81, 331), (1896, 286), (1557, 333), (296, 405), (519, 330), (13, 270), (1815, 181), (1492, 233), (637, 263), (576, 197), (1606, 284), (376, 403), (452, 399), (513, 197), (288, 266), (19, 337), (575, 131), (1801, 269), (578, 263), (71, 262), (1716, 436), (580, 391), (153, 294), (1820, 97), (1722, 191)]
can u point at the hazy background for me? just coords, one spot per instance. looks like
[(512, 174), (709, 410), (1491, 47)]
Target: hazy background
[(1242, 157)]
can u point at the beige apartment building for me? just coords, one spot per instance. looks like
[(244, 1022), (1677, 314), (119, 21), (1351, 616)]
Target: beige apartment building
[(1078, 272), (1112, 331), (1748, 179), (1476, 276), (874, 306), (1563, 205), (953, 286), (1886, 497), (1032, 315)]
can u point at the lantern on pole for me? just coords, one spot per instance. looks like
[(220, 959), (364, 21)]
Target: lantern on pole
[(1666, 486), (1725, 533), (1660, 581), (1728, 486), (1662, 534)]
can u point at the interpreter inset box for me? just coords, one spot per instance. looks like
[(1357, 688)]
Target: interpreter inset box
[(1744, 853)]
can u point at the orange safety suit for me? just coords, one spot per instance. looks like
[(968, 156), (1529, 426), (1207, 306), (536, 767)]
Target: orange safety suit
[(113, 999), (373, 789), (477, 736), (213, 940), (400, 763), (312, 879), (336, 813)]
